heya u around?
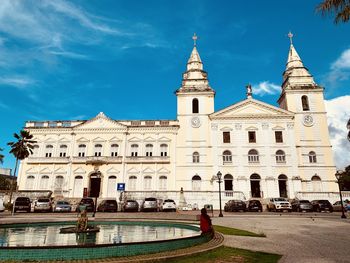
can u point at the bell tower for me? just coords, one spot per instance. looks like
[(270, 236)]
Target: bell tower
[(301, 95)]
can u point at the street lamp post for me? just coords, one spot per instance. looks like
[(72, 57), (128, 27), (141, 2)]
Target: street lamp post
[(219, 174), (338, 175)]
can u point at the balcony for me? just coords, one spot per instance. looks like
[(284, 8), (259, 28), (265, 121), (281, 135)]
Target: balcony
[(37, 160), (147, 159), (97, 160)]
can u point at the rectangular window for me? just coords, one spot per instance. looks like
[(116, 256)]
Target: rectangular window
[(226, 137), (251, 136), (278, 136)]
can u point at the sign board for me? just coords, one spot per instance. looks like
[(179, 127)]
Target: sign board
[(121, 187)]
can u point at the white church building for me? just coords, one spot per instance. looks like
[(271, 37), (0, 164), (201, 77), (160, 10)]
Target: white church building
[(261, 150)]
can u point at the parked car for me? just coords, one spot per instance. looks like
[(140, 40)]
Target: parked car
[(301, 205), (322, 205), (43, 205), (169, 205), (88, 203), (130, 206), (109, 205), (2, 208), (235, 205), (150, 204), (279, 204), (254, 205), (62, 206), (22, 203)]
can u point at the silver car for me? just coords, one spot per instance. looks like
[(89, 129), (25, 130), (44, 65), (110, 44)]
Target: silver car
[(43, 205), (62, 206), (150, 204)]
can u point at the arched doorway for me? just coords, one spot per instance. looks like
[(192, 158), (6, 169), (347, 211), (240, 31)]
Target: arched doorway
[(255, 185), (78, 186), (111, 186), (95, 184), (316, 183), (228, 182), (282, 185)]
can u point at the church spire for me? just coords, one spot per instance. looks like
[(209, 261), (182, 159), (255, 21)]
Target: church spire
[(195, 78), (296, 74)]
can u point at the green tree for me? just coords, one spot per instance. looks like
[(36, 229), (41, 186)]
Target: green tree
[(1, 156), (345, 179), (21, 149), (340, 8)]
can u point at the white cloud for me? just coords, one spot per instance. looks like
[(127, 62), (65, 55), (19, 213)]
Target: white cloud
[(266, 88), (16, 81), (338, 113), (340, 68)]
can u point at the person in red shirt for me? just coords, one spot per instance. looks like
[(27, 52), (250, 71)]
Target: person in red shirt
[(205, 223)]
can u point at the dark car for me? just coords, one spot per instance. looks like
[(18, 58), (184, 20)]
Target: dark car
[(235, 205), (22, 204), (88, 203), (301, 205), (322, 205), (130, 206), (254, 205), (108, 206)]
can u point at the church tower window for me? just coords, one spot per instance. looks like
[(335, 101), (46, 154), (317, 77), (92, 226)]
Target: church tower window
[(195, 106), (226, 137), (312, 157), (227, 157), (305, 103), (195, 157), (251, 136)]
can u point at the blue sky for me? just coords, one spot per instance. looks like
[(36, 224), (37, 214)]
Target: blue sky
[(72, 59)]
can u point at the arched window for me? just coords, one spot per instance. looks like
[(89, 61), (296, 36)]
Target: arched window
[(48, 150), (195, 106), (253, 156), (228, 179), (280, 156), (147, 182), (30, 182), (163, 182), (196, 183), (312, 157), (98, 149), (149, 149), (132, 182), (63, 150), (316, 183), (81, 150), (163, 149), (114, 150), (36, 150), (78, 186), (44, 182), (59, 182), (134, 149), (227, 157), (112, 182), (282, 185), (195, 157), (255, 185), (305, 103)]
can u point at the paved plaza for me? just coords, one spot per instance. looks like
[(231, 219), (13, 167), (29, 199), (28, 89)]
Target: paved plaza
[(299, 237)]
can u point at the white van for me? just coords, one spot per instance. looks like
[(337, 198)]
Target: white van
[(2, 208)]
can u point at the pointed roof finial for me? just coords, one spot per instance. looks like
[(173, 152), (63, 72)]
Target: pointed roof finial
[(290, 35), (194, 39)]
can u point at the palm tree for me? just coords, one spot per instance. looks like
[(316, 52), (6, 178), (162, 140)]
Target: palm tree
[(21, 149), (341, 9), (1, 156)]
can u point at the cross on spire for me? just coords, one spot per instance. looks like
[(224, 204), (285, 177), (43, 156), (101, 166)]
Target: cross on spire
[(194, 39), (290, 35)]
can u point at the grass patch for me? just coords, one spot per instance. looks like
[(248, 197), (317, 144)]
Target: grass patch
[(236, 232), (227, 254)]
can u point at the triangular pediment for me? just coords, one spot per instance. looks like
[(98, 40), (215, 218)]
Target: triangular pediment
[(148, 170), (64, 139), (250, 108), (113, 171), (50, 140), (134, 139), (278, 128), (32, 171), (60, 171), (82, 139), (149, 139), (100, 121), (163, 170), (115, 139), (133, 170), (164, 139), (79, 170), (45, 171), (98, 139)]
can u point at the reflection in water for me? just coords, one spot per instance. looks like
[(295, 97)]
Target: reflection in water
[(109, 234)]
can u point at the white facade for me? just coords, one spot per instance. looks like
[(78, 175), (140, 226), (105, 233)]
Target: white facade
[(261, 150)]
